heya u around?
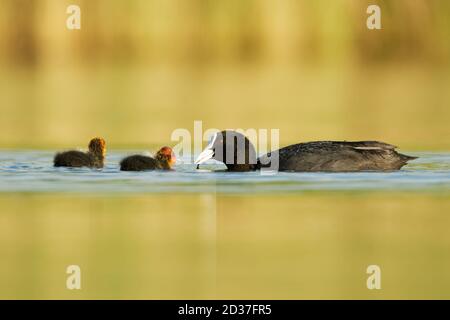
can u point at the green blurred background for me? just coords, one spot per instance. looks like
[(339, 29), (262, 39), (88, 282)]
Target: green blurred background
[(138, 69)]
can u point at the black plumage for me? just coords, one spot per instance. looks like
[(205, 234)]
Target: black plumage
[(332, 156), (94, 158), (164, 160), (138, 163), (338, 156), (74, 159)]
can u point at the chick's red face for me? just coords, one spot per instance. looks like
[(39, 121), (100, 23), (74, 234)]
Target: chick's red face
[(167, 152)]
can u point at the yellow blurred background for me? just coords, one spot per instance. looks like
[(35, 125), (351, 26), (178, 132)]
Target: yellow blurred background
[(138, 69), (210, 246)]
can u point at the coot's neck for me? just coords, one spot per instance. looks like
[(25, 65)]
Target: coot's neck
[(249, 163)]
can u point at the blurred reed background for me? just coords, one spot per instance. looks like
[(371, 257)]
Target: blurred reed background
[(138, 69)]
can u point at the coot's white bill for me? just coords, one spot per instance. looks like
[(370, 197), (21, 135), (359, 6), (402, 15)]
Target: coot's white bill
[(204, 156), (208, 153)]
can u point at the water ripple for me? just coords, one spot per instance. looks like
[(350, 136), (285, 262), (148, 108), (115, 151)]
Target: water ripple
[(32, 171)]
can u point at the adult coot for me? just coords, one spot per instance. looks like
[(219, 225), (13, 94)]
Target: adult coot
[(164, 160), (94, 158), (238, 154)]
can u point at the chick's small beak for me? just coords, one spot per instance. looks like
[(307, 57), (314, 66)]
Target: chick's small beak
[(173, 159)]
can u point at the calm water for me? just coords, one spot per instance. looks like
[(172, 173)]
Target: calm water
[(193, 234), (32, 171)]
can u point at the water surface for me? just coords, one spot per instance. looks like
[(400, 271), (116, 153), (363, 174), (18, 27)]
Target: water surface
[(32, 171), (200, 234)]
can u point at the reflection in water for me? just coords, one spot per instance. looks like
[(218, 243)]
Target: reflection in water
[(312, 245)]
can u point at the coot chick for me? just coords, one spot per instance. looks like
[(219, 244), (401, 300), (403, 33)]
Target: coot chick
[(94, 158), (238, 154), (164, 160)]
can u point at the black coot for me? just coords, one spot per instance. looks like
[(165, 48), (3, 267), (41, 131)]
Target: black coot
[(94, 158), (238, 154), (164, 160)]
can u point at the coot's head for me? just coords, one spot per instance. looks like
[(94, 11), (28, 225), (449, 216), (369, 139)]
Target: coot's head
[(165, 157), (97, 146), (233, 149)]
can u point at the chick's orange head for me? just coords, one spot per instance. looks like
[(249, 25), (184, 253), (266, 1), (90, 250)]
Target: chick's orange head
[(167, 152), (97, 145)]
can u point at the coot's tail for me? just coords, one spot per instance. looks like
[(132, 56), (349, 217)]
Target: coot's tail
[(396, 160), (403, 159), (406, 157)]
